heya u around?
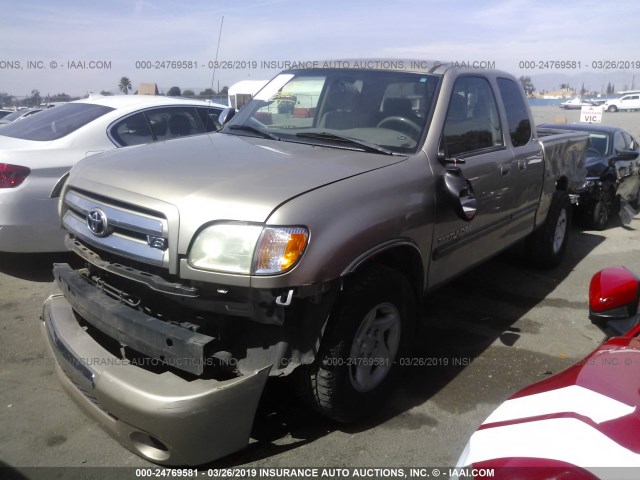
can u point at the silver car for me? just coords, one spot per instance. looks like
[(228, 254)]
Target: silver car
[(37, 152)]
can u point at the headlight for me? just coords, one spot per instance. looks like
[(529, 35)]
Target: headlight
[(248, 249), (279, 249), (590, 182)]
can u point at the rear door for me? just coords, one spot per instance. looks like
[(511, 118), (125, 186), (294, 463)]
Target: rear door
[(630, 102), (527, 169)]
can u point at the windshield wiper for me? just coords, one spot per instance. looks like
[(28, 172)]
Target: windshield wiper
[(366, 146), (249, 128)]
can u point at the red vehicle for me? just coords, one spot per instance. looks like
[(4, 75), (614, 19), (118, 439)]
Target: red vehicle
[(584, 422)]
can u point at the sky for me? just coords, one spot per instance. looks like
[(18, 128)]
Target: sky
[(77, 47)]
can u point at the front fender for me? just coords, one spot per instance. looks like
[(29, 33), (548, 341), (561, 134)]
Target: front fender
[(355, 218)]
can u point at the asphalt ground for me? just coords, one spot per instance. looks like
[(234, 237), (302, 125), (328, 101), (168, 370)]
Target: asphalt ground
[(489, 333)]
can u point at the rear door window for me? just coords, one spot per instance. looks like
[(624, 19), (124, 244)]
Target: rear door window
[(172, 122), (209, 118), (157, 124), (619, 144), (629, 142), (132, 130), (517, 114)]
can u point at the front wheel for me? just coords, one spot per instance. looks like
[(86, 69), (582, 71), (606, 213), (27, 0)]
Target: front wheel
[(547, 244), (599, 216), (366, 334), (602, 210), (612, 108)]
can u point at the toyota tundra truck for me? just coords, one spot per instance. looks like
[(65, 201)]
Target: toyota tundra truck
[(298, 240)]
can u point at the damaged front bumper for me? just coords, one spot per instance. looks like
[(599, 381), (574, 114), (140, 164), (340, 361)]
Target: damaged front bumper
[(162, 417)]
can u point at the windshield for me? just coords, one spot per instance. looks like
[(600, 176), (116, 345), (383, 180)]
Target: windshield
[(333, 107), (54, 123)]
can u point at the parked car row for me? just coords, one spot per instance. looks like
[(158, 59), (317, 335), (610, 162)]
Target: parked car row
[(627, 103), (38, 151), (47, 146)]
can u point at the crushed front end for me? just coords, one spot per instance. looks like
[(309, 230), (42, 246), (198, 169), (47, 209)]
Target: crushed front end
[(171, 368)]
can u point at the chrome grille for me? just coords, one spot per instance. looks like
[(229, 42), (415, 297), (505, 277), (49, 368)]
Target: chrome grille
[(130, 233)]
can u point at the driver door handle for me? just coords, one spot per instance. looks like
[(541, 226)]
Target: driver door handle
[(505, 168)]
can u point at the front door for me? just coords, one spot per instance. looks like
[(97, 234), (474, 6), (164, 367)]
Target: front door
[(472, 142)]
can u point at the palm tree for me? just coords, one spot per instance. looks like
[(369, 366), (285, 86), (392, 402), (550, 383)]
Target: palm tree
[(35, 97), (124, 85)]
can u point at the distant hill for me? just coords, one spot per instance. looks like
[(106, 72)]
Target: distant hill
[(593, 81)]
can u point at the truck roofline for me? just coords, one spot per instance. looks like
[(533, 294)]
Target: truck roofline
[(407, 65)]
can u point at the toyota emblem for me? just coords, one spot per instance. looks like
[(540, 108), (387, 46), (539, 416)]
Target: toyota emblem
[(97, 222)]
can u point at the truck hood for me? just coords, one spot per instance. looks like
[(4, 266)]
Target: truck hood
[(220, 176)]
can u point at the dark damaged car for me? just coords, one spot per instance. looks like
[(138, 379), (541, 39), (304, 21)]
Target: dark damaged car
[(613, 172)]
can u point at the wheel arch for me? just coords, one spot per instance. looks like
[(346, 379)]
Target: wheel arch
[(562, 184), (401, 255)]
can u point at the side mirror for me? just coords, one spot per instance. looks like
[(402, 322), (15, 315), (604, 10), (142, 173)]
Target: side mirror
[(614, 295), (226, 115), (444, 160), (460, 194), (626, 155)]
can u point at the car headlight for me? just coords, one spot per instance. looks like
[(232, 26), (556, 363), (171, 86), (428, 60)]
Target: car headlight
[(248, 249), (591, 182)]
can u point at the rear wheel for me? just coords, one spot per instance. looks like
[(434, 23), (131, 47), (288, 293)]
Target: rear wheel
[(365, 336), (547, 244)]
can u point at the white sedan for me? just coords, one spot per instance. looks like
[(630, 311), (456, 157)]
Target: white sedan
[(37, 153)]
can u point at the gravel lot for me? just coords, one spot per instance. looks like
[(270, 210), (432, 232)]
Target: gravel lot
[(516, 325)]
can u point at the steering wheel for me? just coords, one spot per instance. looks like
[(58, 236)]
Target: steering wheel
[(594, 152), (402, 120)]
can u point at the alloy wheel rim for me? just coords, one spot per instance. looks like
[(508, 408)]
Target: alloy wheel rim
[(374, 347), (603, 216), (560, 232)]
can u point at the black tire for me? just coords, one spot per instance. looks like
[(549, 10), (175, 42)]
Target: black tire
[(547, 244), (599, 217), (612, 108), (346, 386)]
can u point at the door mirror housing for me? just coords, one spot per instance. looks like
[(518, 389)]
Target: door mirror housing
[(626, 155), (444, 160), (226, 115), (614, 297), (460, 193)]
